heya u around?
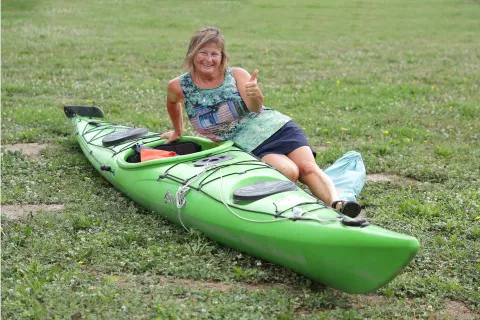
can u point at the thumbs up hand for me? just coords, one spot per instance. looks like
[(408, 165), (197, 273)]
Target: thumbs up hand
[(253, 77), (252, 89)]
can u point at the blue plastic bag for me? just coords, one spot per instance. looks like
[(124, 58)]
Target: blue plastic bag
[(348, 175)]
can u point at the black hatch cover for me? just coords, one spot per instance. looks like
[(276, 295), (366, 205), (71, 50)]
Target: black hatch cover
[(116, 138), (262, 189)]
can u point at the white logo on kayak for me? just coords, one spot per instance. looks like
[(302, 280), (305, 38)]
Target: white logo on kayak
[(169, 197)]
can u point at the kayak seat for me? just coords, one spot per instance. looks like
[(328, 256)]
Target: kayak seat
[(180, 148), (262, 189)]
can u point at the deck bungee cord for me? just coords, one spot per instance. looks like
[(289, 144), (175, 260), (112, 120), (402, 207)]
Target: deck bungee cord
[(269, 221), (183, 190), (236, 214), (214, 168), (101, 128)]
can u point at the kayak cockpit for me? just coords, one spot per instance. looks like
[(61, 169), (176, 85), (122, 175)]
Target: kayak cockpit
[(186, 148), (179, 148), (120, 140)]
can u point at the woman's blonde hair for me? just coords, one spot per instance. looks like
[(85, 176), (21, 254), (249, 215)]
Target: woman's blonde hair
[(202, 37)]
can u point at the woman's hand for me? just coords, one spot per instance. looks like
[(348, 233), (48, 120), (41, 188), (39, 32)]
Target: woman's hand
[(171, 136), (252, 90), (248, 88)]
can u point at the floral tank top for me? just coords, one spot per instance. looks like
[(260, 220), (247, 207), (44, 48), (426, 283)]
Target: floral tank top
[(220, 114)]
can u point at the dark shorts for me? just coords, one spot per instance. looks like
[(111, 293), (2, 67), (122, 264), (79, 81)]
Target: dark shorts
[(285, 140)]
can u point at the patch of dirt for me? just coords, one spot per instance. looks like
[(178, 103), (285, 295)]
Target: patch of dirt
[(21, 211), (31, 150), (381, 177), (368, 299), (218, 286), (453, 309), (459, 311), (199, 284)]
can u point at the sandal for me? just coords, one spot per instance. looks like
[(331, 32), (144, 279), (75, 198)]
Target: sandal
[(348, 208)]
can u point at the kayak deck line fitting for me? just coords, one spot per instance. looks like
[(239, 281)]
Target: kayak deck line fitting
[(234, 198)]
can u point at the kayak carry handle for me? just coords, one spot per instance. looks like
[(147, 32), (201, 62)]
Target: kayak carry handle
[(355, 223), (104, 167)]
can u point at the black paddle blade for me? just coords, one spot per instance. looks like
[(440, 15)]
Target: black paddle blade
[(85, 111)]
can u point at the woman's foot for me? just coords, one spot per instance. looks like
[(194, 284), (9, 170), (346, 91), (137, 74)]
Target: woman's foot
[(348, 208)]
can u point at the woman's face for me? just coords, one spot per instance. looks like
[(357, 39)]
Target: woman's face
[(208, 58)]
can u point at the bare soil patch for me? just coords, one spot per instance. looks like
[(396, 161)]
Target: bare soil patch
[(22, 211), (362, 300), (219, 286), (381, 177), (31, 150), (200, 284), (458, 310)]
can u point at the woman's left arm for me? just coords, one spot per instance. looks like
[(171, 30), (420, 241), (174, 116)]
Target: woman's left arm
[(248, 88)]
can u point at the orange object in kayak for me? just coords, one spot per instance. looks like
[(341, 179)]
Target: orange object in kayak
[(152, 154)]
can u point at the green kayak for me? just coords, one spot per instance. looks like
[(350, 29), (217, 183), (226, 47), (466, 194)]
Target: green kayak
[(238, 200)]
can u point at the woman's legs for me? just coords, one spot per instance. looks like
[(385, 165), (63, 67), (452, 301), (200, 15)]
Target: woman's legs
[(283, 164), (317, 181), (300, 164)]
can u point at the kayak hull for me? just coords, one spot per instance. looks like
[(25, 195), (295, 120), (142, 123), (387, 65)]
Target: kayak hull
[(315, 243)]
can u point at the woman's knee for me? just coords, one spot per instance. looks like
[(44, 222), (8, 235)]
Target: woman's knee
[(291, 171), (308, 168)]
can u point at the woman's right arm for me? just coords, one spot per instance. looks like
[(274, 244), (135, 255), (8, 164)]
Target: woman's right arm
[(174, 108)]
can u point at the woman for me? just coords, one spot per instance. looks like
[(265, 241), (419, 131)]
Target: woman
[(226, 103)]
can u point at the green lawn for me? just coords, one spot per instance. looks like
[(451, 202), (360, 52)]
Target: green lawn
[(398, 81)]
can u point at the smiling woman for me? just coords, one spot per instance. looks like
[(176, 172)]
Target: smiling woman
[(198, 43), (225, 103)]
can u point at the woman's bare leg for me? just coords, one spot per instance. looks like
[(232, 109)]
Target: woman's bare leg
[(283, 164), (300, 164), (317, 181)]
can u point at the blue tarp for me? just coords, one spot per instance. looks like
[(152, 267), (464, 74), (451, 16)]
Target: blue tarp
[(348, 175)]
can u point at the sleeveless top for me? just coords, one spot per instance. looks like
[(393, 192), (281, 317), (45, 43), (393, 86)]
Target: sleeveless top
[(220, 114)]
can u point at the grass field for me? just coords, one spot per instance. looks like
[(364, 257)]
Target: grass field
[(398, 81)]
